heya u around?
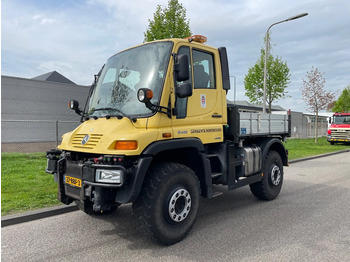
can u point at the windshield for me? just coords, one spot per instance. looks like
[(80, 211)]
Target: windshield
[(124, 74), (341, 120)]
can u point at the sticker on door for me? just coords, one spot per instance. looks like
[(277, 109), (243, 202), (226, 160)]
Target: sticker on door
[(203, 101)]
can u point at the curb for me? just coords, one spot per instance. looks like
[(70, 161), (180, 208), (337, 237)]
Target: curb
[(318, 156), (58, 210), (37, 214)]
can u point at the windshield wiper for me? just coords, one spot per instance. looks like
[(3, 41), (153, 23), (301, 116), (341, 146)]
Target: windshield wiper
[(119, 116)]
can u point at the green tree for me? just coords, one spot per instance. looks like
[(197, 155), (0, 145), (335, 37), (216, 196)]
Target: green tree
[(277, 79), (343, 102), (168, 22)]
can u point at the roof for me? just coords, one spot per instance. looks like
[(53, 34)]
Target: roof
[(54, 76), (255, 106), (342, 114)]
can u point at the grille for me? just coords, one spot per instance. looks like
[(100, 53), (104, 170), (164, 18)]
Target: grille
[(90, 144), (340, 134)]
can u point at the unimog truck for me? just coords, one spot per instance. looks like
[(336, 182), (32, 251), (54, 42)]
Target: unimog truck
[(157, 131)]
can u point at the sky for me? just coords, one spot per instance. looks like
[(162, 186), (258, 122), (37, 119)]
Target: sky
[(76, 37)]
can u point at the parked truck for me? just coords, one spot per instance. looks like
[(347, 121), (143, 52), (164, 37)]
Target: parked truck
[(157, 131), (339, 130)]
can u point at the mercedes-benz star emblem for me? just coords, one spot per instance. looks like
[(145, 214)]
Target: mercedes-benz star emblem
[(85, 139)]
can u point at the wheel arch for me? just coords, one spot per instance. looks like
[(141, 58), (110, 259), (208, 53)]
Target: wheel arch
[(189, 152), (273, 144)]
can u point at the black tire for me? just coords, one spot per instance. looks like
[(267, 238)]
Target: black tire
[(332, 143), (270, 186), (168, 203)]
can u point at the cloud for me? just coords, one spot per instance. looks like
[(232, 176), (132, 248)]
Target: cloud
[(76, 37), (42, 20)]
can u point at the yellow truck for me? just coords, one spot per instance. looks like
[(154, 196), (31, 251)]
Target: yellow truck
[(158, 132)]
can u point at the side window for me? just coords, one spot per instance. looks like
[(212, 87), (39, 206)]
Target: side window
[(181, 103), (203, 70)]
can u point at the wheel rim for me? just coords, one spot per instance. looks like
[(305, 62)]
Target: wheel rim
[(179, 205), (275, 175)]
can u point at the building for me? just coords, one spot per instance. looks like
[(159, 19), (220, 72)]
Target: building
[(35, 113)]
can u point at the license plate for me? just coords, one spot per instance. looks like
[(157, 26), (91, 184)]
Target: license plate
[(72, 181)]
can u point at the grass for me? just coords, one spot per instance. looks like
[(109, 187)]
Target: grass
[(26, 186), (24, 183), (300, 148)]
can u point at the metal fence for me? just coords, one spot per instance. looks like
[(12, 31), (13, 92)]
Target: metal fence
[(40, 135), (33, 135)]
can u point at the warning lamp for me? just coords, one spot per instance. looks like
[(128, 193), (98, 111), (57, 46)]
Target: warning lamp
[(197, 38), (144, 95), (73, 104)]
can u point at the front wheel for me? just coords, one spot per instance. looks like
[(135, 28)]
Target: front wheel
[(168, 204), (270, 186)]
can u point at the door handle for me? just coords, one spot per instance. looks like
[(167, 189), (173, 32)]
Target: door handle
[(216, 116)]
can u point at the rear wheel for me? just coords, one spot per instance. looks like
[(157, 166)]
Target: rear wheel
[(168, 204), (270, 186)]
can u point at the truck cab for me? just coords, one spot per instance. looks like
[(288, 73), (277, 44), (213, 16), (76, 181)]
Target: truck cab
[(339, 130), (157, 132)]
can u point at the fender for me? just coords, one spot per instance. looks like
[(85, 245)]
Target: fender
[(273, 144), (165, 145), (199, 163), (137, 176)]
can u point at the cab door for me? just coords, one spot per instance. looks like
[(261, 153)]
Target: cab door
[(200, 115)]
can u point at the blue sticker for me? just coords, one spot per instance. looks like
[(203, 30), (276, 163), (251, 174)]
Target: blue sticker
[(243, 131)]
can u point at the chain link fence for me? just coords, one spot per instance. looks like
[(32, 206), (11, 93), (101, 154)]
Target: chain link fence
[(29, 136)]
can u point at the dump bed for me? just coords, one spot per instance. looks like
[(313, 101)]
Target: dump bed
[(245, 121)]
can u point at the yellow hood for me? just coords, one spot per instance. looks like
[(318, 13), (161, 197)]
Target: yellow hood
[(100, 136)]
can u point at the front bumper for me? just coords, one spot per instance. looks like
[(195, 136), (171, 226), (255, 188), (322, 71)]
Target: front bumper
[(340, 140), (77, 180)]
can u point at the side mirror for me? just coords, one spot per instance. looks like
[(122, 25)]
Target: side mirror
[(183, 90), (181, 68)]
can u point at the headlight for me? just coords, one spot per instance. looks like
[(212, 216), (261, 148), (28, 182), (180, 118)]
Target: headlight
[(110, 176)]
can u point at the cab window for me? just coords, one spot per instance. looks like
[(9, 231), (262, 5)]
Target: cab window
[(203, 70), (181, 103)]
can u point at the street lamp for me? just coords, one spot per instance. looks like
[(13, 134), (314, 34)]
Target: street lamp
[(266, 50)]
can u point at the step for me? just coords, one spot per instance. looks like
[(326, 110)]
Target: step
[(215, 175), (217, 193), (212, 155)]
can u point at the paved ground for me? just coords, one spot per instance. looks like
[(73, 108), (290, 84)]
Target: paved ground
[(309, 221)]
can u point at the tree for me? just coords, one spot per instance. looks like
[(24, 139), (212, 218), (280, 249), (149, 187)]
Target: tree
[(314, 95), (277, 79), (168, 22), (343, 102)]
